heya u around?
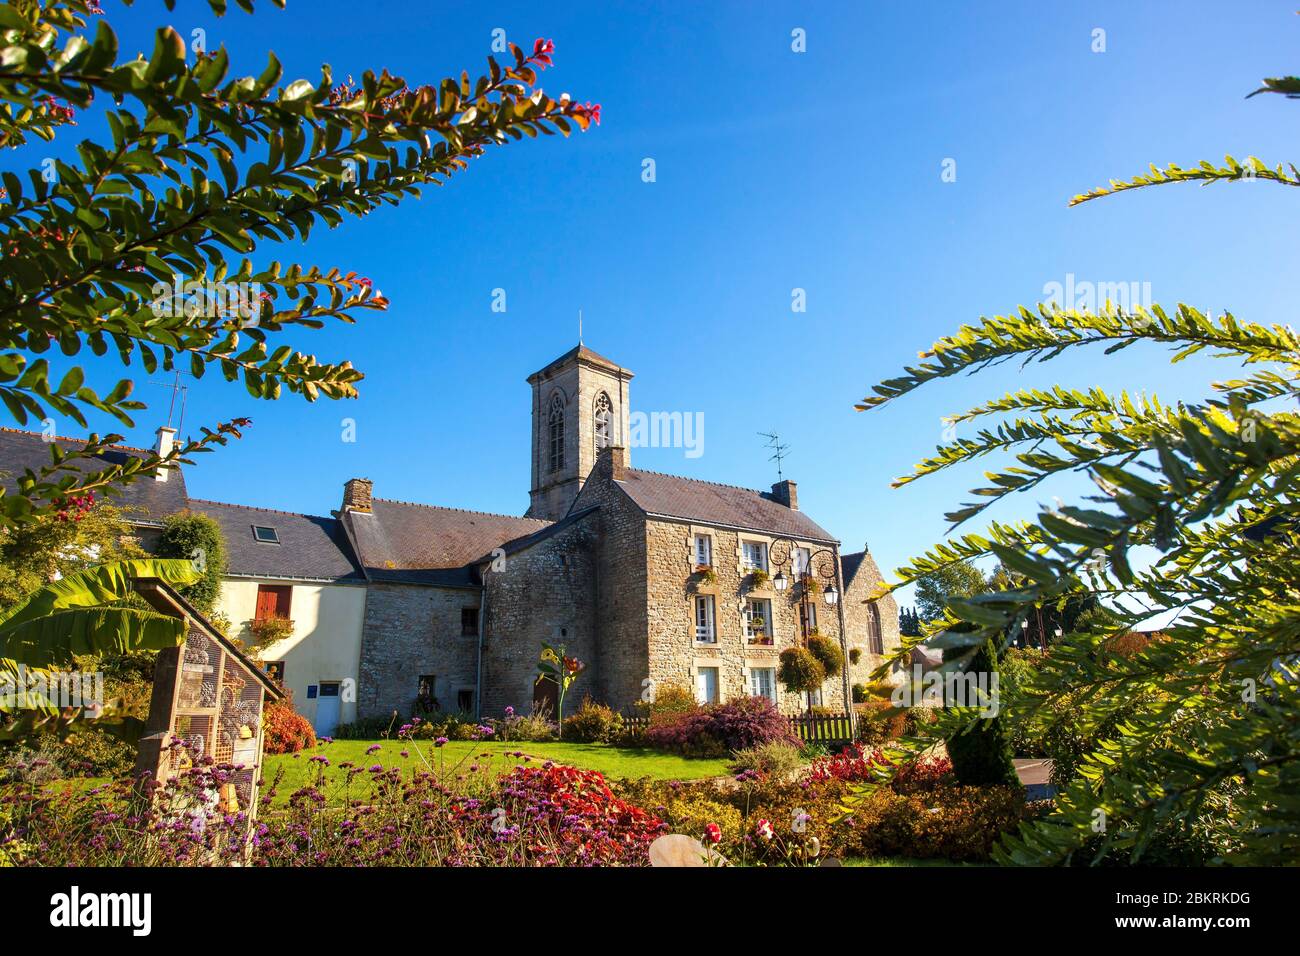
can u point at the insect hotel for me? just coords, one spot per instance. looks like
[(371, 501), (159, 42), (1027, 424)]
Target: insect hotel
[(208, 701)]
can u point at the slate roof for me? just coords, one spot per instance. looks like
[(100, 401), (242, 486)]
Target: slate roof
[(582, 353), (24, 450), (310, 546), (851, 563), (424, 544), (708, 503)]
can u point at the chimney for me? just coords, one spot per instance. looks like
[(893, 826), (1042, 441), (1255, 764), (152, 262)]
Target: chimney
[(356, 494), (163, 445), (611, 462), (786, 493), (618, 462)]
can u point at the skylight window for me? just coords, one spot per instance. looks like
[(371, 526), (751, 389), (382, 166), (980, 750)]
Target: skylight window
[(265, 534)]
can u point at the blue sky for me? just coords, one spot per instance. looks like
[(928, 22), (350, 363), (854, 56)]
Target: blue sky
[(775, 170)]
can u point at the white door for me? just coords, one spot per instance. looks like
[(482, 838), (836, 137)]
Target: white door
[(706, 685), (327, 709)]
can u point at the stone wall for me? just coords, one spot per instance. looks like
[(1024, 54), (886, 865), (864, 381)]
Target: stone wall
[(858, 621), (545, 592), (411, 631), (620, 589), (676, 655)]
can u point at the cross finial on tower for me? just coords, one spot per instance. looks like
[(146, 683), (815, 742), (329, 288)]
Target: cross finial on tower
[(774, 442)]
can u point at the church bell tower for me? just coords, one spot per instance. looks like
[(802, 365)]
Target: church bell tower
[(580, 406)]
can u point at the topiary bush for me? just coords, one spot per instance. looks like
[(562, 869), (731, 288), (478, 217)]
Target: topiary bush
[(800, 671), (194, 536), (828, 653)]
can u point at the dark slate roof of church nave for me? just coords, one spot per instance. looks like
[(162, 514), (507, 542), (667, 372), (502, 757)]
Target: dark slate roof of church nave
[(850, 563), (709, 503), (311, 547), (423, 544), (26, 450)]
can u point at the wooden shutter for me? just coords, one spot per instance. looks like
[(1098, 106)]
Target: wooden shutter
[(273, 601)]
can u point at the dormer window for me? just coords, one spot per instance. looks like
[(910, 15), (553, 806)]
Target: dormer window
[(265, 534)]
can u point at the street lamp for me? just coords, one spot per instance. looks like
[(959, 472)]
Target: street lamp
[(780, 581), (832, 595)]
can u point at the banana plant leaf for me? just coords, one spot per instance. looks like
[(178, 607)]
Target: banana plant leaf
[(95, 586), (55, 639)]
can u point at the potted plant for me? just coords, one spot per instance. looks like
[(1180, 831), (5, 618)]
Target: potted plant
[(706, 574), (758, 578)]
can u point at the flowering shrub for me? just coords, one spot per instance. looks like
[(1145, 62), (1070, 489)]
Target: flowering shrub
[(286, 730), (720, 728), (777, 757), (856, 764)]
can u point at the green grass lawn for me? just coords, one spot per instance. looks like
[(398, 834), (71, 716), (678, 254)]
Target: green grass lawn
[(613, 762)]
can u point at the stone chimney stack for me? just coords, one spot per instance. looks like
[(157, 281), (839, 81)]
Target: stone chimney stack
[(611, 462), (356, 494), (786, 493), (163, 445)]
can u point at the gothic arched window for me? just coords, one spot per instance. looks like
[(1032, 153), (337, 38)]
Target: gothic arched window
[(601, 419), (557, 432), (875, 637)]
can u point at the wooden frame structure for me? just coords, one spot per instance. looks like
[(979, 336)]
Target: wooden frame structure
[(208, 695)]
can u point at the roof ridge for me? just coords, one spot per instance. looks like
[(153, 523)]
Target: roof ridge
[(467, 511), (277, 511), (41, 435), (700, 481)]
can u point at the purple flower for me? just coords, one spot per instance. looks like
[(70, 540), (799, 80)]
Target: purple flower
[(372, 748), (441, 741)]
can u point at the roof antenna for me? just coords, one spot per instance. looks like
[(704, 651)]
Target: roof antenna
[(775, 443), (177, 389), (579, 326)]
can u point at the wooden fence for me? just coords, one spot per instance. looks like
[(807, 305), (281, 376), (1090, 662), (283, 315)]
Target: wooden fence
[(826, 729)]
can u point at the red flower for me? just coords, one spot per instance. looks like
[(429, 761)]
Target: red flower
[(713, 832), (542, 50), (590, 111)]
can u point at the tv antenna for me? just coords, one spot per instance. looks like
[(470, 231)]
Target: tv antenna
[(177, 390), (779, 451)]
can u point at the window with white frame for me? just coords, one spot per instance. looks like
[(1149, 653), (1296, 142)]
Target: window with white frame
[(758, 620), (706, 685), (815, 698), (762, 682), (801, 562), (703, 550), (754, 555), (704, 630)]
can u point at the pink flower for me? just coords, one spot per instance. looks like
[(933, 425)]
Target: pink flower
[(764, 830), (713, 833), (542, 50)]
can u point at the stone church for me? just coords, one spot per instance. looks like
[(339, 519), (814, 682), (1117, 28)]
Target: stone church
[(650, 579)]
